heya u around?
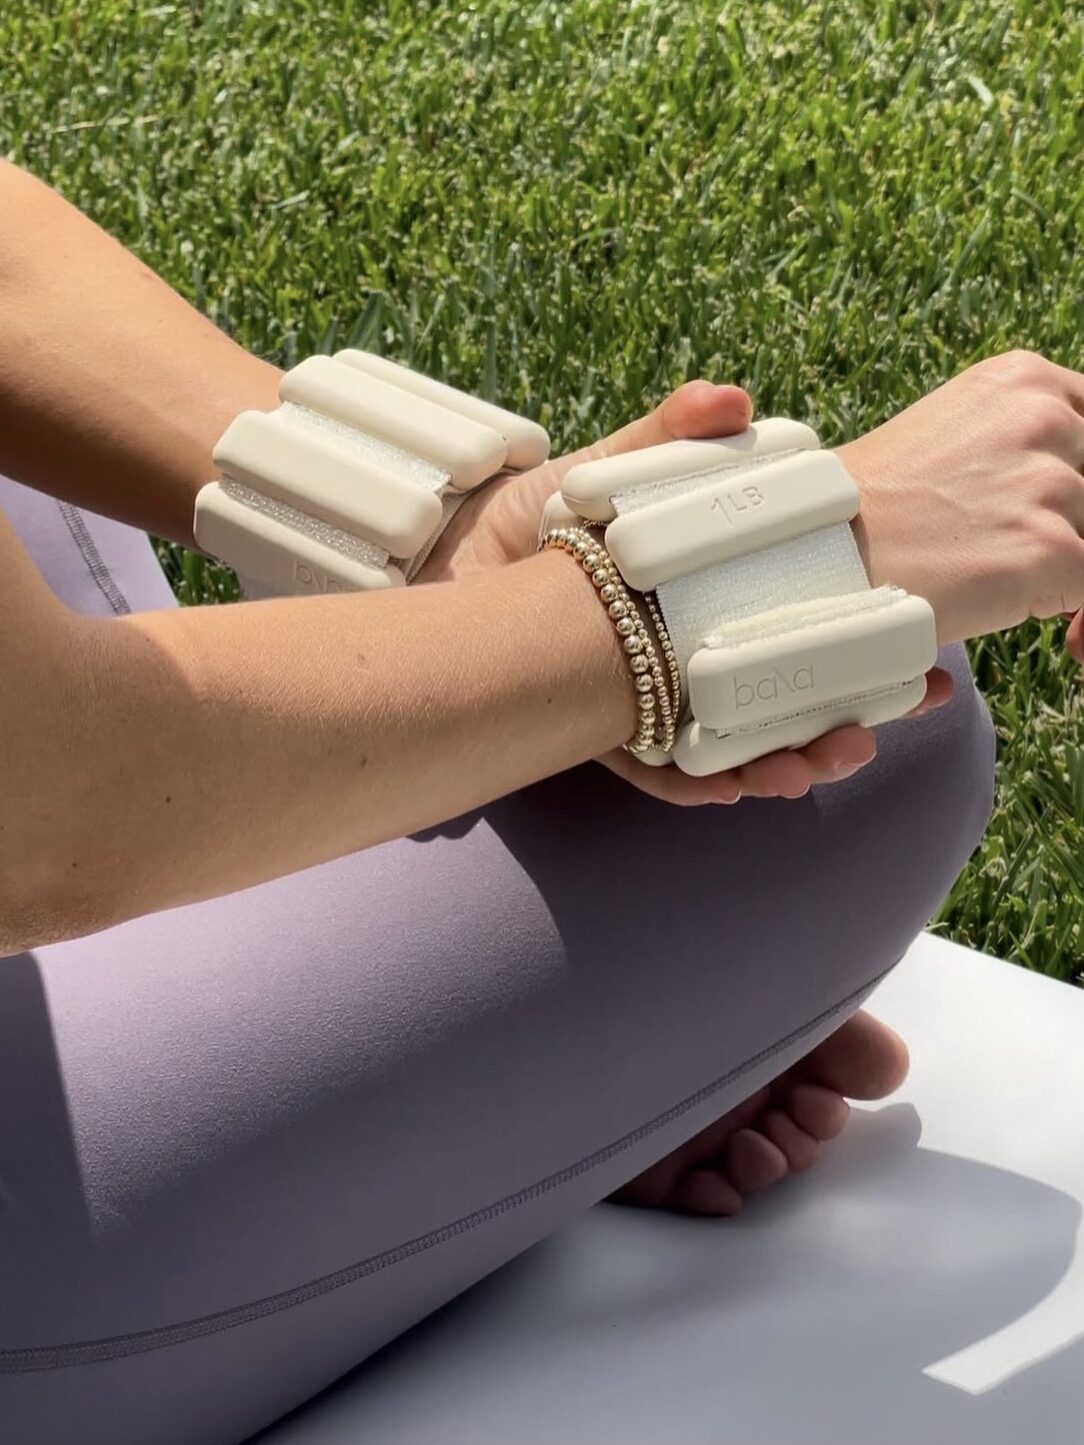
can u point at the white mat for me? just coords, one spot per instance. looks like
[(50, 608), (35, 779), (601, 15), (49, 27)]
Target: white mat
[(925, 1283)]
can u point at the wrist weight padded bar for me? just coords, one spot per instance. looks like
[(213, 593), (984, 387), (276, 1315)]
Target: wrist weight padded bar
[(348, 484), (746, 540)]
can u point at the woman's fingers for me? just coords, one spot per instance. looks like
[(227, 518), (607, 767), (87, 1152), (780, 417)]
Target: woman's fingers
[(697, 409), (778, 775), (1072, 383), (849, 747), (828, 759), (499, 524), (939, 690), (670, 784), (831, 758)]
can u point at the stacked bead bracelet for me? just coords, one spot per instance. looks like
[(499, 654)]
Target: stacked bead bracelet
[(658, 692), (670, 657)]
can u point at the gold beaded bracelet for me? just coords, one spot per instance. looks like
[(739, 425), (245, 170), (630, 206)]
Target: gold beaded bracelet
[(661, 639), (651, 601), (658, 720)]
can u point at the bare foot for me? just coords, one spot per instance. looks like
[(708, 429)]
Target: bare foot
[(780, 1130)]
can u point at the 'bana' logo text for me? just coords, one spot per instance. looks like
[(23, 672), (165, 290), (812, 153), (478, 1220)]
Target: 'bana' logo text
[(313, 580), (771, 686)]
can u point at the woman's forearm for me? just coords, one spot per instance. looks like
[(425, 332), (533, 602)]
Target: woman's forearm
[(172, 756), (113, 390)]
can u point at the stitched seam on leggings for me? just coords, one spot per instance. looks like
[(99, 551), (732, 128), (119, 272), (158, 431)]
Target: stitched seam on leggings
[(103, 578), (88, 1352)]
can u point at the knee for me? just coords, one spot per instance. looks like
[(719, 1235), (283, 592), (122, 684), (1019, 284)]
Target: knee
[(945, 763), (973, 736), (894, 838)]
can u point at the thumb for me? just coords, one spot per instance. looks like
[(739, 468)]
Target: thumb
[(696, 409)]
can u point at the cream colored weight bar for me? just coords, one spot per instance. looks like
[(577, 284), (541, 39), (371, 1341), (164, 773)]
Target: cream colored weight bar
[(747, 542), (347, 485)]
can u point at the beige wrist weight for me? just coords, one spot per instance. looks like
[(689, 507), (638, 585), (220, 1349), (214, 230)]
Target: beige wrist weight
[(348, 484), (746, 541)]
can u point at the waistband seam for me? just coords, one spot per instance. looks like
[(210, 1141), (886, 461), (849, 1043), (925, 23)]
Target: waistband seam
[(100, 574)]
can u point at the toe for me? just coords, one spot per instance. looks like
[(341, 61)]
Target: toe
[(707, 1191), (753, 1162), (800, 1149), (864, 1059), (659, 1186), (818, 1111)]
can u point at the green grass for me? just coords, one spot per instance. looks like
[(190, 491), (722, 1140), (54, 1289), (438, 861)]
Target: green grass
[(575, 205)]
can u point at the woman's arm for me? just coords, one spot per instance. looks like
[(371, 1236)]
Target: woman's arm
[(161, 758), (113, 392), (165, 757), (112, 388), (157, 759)]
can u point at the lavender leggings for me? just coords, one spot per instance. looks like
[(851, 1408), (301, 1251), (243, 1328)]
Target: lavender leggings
[(245, 1143)]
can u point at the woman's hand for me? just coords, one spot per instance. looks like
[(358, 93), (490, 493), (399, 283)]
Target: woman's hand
[(500, 525), (973, 498)]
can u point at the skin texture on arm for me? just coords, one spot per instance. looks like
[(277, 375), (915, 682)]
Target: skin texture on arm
[(161, 758), (164, 757), (110, 383), (973, 497)]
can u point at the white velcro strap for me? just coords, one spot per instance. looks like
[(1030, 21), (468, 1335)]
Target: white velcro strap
[(468, 451), (287, 458), (762, 589), (349, 483), (824, 563)]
